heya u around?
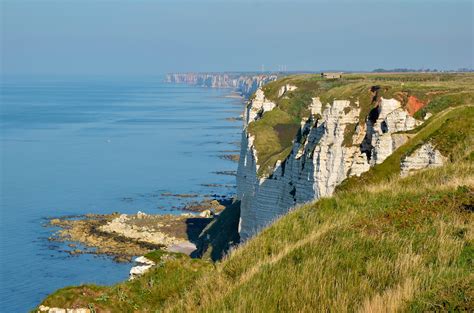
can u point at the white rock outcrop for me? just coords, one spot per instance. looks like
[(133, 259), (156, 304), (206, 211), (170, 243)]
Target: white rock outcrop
[(321, 158), (143, 265), (424, 157), (259, 106), (391, 118), (316, 106), (43, 308), (285, 88)]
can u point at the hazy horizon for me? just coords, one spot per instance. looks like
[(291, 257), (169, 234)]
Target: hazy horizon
[(155, 37)]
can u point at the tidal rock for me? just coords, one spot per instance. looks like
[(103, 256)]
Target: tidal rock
[(141, 215), (205, 214), (122, 226)]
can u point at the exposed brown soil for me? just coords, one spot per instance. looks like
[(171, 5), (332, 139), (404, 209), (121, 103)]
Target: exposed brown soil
[(414, 105)]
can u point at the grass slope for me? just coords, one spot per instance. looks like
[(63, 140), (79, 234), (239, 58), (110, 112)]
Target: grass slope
[(407, 245), (169, 280)]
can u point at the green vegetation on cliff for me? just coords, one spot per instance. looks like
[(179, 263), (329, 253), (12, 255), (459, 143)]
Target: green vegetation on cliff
[(174, 274), (419, 93)]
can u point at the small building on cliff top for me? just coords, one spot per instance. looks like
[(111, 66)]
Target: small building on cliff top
[(331, 75)]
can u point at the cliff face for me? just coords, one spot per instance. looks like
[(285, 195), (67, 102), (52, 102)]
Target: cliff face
[(246, 84), (334, 141)]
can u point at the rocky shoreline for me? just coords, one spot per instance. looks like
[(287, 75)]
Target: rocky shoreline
[(138, 238), (125, 236)]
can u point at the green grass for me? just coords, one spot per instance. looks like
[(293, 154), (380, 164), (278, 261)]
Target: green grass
[(157, 255), (348, 134), (273, 135), (276, 130), (169, 280), (396, 246)]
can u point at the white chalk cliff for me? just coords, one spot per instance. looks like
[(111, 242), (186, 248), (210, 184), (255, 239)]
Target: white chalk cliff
[(245, 83), (425, 156), (321, 156)]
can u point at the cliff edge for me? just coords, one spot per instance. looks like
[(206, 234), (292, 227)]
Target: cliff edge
[(304, 135)]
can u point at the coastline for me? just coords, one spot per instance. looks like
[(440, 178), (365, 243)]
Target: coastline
[(188, 230), (124, 237)]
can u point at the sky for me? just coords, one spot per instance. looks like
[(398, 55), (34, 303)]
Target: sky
[(138, 37)]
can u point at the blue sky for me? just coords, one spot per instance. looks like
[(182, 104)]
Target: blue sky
[(67, 37)]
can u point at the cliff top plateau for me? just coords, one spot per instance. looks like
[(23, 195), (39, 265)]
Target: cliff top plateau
[(419, 94)]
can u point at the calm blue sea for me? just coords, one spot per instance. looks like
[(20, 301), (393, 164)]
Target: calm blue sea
[(79, 145)]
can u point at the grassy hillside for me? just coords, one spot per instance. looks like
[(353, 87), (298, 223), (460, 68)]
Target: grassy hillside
[(403, 246), (381, 243), (276, 130), (168, 280)]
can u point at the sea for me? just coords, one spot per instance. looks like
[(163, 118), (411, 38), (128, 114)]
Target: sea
[(77, 145)]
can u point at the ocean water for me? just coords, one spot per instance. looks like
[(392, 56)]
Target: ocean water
[(72, 146)]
